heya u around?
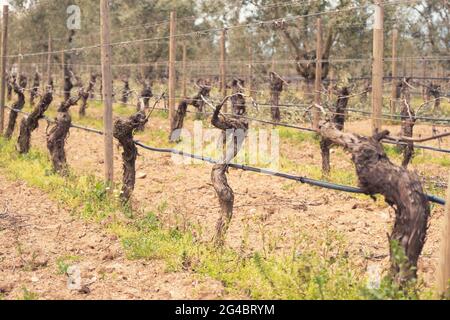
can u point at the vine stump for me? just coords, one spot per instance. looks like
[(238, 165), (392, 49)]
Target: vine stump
[(235, 128), (16, 107), (402, 191), (31, 122), (56, 138), (123, 131)]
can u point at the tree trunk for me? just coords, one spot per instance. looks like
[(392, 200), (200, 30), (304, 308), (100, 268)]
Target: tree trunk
[(123, 131), (85, 94), (338, 119), (144, 98), (402, 190), (181, 111), (226, 201), (18, 105), (31, 122), (238, 100), (236, 128), (56, 138), (407, 125), (276, 87), (35, 88)]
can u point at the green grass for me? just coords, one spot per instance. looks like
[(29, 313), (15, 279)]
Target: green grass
[(297, 136), (63, 263), (29, 295), (312, 269)]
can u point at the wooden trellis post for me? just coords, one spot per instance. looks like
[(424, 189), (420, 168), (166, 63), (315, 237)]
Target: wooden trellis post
[(377, 67), (107, 90), (394, 71), (172, 74), (184, 69), (318, 75), (273, 67), (49, 60), (443, 268), (223, 57), (141, 61), (63, 74), (424, 74), (3, 66), (250, 70), (19, 62)]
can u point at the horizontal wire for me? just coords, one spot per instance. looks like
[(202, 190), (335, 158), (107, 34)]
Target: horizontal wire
[(211, 30), (301, 179)]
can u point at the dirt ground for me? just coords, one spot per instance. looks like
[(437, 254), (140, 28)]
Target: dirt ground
[(267, 209), (36, 237)]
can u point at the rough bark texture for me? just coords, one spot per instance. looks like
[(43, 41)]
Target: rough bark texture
[(123, 131), (11, 79), (23, 81), (408, 120), (68, 84), (238, 100), (56, 138), (236, 128), (31, 122), (126, 91), (367, 88), (51, 84), (197, 101), (85, 93), (276, 87), (434, 90), (180, 114), (18, 105), (401, 188), (178, 120), (338, 119), (144, 97), (35, 88)]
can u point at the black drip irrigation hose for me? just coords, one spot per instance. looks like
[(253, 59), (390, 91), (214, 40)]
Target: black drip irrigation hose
[(313, 182), (305, 180)]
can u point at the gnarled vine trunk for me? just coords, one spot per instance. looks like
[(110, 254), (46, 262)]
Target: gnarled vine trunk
[(238, 99), (18, 105), (123, 131), (56, 138), (31, 122), (434, 90), (401, 188), (236, 129), (181, 111), (144, 97), (35, 88), (126, 91), (276, 87), (338, 119), (86, 93), (10, 80), (67, 69), (408, 117)]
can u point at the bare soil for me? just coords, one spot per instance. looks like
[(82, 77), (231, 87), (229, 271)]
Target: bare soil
[(268, 210), (38, 235)]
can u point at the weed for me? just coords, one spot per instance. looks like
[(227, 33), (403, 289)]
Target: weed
[(317, 269), (63, 263), (29, 295)]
